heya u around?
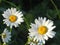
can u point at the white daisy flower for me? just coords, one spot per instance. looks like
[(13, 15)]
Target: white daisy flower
[(42, 29), (12, 17), (32, 42), (6, 35)]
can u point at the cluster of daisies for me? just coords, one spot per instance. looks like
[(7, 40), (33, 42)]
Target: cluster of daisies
[(41, 31), (12, 17), (38, 33)]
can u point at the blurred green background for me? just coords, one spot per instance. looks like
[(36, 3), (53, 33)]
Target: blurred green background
[(31, 9)]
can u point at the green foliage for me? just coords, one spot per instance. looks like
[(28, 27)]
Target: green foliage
[(41, 9)]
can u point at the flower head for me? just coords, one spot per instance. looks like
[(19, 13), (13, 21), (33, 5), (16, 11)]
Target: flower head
[(31, 41), (6, 35), (12, 17), (42, 29)]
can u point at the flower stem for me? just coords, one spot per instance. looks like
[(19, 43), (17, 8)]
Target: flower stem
[(0, 43), (0, 34), (5, 44), (55, 7), (26, 23), (10, 29), (26, 44)]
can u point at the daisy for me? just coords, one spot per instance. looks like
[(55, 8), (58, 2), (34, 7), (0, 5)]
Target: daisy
[(6, 35), (32, 42), (12, 17), (42, 29)]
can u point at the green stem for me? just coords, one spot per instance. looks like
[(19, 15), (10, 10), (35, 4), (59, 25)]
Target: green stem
[(5, 44), (43, 44), (0, 34), (10, 29), (26, 44), (26, 23), (0, 43), (55, 7)]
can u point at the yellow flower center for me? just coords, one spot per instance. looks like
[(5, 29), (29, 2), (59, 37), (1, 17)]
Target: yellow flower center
[(3, 35), (12, 18), (42, 30)]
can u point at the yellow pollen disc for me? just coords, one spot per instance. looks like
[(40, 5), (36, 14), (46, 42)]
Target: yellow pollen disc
[(12, 18), (3, 35), (42, 30)]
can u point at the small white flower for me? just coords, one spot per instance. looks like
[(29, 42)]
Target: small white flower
[(12, 17), (42, 29), (32, 42), (6, 35)]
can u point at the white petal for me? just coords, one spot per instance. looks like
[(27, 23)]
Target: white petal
[(44, 20), (43, 41), (34, 26), (45, 37), (51, 28), (47, 22), (50, 24), (51, 34), (37, 22), (35, 38), (40, 20)]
